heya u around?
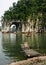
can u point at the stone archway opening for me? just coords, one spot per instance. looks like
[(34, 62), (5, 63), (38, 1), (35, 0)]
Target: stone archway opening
[(16, 26)]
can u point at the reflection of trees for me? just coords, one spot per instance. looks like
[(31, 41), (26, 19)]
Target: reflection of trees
[(37, 42), (13, 49), (42, 43)]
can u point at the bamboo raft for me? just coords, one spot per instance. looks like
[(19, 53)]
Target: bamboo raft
[(29, 52)]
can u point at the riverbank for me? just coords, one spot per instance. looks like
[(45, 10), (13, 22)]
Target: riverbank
[(41, 60)]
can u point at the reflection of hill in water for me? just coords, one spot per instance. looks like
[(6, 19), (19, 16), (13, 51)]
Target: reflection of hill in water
[(36, 41), (9, 37), (11, 46)]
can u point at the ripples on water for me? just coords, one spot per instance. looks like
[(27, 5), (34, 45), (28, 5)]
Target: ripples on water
[(10, 46)]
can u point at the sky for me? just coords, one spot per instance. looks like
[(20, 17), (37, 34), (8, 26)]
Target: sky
[(4, 5)]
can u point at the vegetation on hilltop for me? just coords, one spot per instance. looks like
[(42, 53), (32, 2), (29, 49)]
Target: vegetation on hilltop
[(27, 11)]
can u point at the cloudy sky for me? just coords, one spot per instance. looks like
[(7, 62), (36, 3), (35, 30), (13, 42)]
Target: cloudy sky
[(5, 4)]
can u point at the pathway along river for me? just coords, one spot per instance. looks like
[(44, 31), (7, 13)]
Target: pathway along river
[(10, 46)]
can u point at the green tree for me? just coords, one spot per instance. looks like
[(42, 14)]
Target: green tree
[(25, 10)]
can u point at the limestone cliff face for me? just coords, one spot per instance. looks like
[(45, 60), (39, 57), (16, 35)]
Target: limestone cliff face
[(5, 28)]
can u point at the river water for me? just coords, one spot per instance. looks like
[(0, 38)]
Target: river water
[(10, 46)]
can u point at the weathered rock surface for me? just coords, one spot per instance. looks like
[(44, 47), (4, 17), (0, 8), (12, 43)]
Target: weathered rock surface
[(32, 61), (41, 60)]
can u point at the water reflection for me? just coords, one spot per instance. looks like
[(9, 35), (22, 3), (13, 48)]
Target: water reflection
[(10, 46), (3, 60), (12, 38), (37, 42)]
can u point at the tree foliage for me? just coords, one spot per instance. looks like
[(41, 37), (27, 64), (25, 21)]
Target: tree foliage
[(25, 9)]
